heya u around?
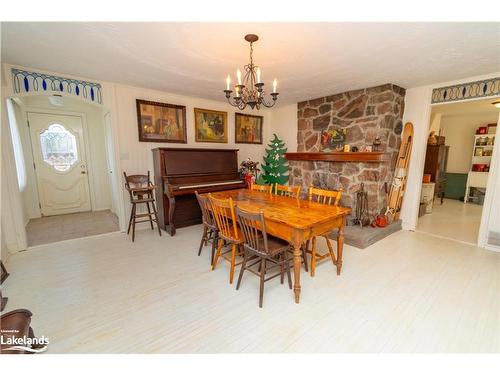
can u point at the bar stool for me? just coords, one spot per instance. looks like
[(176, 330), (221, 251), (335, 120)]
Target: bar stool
[(140, 189)]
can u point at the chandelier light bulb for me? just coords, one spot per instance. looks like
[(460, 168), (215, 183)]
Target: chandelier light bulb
[(238, 74), (275, 85), (258, 75), (228, 82)]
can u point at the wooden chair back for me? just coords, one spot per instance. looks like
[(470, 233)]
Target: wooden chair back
[(253, 228), (138, 184), (287, 191), (225, 219), (206, 210), (330, 197), (262, 188)]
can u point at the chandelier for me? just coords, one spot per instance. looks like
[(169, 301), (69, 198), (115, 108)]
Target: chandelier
[(250, 90)]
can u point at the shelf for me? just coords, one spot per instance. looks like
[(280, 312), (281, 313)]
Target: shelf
[(363, 157)]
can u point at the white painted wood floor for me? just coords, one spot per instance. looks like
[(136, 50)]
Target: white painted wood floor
[(407, 293), (452, 219)]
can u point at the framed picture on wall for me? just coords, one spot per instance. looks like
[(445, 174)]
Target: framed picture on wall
[(210, 126), (161, 122), (248, 128)]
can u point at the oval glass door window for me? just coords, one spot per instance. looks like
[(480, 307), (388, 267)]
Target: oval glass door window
[(58, 147)]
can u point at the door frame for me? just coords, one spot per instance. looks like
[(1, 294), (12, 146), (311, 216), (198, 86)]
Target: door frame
[(491, 187), (14, 193), (89, 162), (481, 237), (88, 155)]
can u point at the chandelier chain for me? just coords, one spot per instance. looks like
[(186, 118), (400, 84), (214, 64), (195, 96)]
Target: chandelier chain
[(251, 90)]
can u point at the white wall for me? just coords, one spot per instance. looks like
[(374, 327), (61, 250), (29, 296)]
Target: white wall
[(417, 111), (435, 122), (136, 157), (15, 116), (12, 220), (459, 131), (284, 122)]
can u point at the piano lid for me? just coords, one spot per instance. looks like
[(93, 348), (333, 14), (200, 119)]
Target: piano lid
[(199, 161)]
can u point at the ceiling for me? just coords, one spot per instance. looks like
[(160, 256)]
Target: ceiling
[(308, 59), (470, 107)]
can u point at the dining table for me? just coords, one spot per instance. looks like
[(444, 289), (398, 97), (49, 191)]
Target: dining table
[(293, 220)]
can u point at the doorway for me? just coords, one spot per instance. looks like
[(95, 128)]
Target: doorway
[(60, 163), (456, 171), (63, 155)]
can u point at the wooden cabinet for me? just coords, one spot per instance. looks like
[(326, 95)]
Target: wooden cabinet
[(436, 160)]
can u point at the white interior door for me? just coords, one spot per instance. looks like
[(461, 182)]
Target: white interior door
[(60, 163)]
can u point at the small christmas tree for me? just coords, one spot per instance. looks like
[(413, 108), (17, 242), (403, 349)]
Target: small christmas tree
[(275, 166)]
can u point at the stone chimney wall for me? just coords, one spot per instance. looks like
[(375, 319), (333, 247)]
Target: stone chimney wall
[(365, 114)]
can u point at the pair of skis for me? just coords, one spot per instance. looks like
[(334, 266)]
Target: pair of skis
[(398, 186)]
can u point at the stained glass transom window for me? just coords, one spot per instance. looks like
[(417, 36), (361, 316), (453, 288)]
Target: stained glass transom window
[(58, 147)]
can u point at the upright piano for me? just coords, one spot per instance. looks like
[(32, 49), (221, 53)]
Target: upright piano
[(179, 172)]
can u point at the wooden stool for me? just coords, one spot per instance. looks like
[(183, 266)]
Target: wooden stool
[(141, 190), (330, 197)]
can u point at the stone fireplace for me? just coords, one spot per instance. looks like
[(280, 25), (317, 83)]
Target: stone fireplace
[(365, 114)]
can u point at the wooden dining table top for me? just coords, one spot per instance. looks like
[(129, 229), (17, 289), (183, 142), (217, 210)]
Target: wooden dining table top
[(296, 213)]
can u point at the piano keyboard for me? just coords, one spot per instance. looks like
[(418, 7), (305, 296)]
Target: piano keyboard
[(209, 184)]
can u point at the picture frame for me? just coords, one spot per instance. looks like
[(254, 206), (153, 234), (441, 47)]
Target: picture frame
[(210, 126), (248, 128), (333, 140), (161, 122)]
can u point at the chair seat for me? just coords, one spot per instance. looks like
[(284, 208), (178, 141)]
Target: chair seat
[(275, 245), (143, 200), (239, 235)]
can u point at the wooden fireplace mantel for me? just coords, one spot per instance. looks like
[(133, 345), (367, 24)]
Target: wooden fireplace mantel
[(364, 157)]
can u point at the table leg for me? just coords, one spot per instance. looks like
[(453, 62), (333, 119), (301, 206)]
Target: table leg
[(340, 248), (297, 262)]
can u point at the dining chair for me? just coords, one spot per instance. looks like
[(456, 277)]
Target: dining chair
[(287, 191), (141, 189), (263, 249), (262, 188), (329, 197), (210, 232), (229, 233)]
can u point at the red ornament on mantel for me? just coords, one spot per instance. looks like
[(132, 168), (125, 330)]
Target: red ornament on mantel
[(249, 180)]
